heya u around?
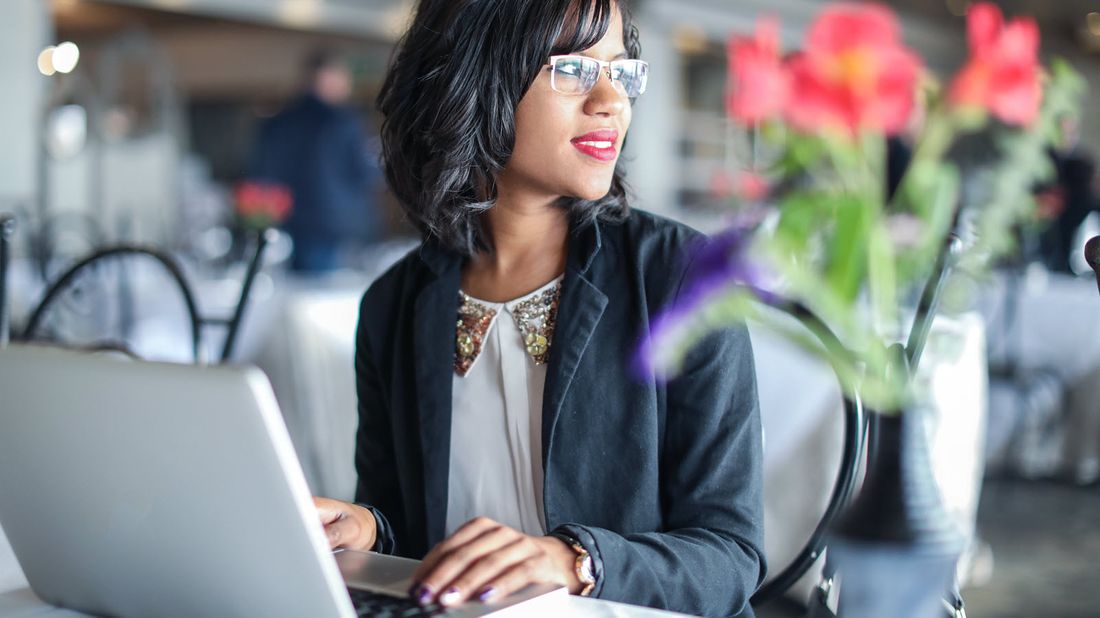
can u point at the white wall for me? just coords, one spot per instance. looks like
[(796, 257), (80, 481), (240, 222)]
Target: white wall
[(24, 30)]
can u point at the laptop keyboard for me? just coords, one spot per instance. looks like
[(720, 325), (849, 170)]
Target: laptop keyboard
[(384, 606)]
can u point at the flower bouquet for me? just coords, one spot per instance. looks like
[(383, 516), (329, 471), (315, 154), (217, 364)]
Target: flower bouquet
[(816, 232)]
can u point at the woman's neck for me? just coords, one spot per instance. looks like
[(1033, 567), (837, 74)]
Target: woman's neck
[(528, 243)]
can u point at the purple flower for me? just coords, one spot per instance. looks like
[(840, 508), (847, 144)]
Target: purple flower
[(720, 263)]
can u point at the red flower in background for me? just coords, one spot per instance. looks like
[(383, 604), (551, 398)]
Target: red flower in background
[(1002, 75), (854, 74), (759, 83), (263, 203)]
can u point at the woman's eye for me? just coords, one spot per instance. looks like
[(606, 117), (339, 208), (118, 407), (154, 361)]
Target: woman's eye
[(569, 69)]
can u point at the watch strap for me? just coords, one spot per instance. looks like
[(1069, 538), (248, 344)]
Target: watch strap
[(582, 565)]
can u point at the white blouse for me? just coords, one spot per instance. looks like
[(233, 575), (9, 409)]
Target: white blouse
[(496, 427)]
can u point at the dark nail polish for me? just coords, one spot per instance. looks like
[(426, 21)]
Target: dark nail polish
[(423, 595), (486, 594)]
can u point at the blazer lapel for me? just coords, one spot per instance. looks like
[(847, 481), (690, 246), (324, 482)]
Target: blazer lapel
[(435, 313), (579, 311)]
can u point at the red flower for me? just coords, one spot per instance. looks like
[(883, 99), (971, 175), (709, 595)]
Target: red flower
[(759, 83), (263, 203), (1002, 75), (854, 74)]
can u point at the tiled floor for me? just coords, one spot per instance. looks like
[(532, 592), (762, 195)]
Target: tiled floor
[(1046, 551), (1045, 540)]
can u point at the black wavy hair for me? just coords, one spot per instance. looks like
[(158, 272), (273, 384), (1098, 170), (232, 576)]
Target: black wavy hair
[(449, 102)]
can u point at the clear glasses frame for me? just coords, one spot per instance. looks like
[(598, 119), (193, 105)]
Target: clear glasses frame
[(578, 75)]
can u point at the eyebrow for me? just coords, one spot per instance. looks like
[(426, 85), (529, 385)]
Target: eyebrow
[(620, 56)]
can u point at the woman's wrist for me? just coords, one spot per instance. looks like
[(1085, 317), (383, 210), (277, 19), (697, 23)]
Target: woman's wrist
[(566, 559), (368, 526)]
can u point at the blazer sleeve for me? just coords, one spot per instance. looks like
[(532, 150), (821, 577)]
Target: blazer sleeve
[(377, 488), (709, 558)]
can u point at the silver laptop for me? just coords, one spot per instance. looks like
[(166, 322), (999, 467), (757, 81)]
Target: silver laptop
[(147, 489)]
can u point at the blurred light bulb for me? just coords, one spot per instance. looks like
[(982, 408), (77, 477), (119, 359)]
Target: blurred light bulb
[(300, 13), (65, 57), (45, 61), (958, 8), (1093, 21)]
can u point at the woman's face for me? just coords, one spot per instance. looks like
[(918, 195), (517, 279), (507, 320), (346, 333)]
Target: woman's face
[(562, 140)]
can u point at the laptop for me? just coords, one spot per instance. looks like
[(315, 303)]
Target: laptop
[(141, 489)]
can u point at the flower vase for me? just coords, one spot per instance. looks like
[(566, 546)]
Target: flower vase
[(896, 546)]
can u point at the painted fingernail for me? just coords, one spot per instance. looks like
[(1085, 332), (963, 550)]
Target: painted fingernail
[(423, 594), (486, 594), (450, 596)]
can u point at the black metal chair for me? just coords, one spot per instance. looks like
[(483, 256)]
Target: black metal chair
[(1092, 256), (70, 287), (7, 230), (859, 427)]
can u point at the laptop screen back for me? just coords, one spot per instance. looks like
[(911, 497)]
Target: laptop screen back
[(146, 489)]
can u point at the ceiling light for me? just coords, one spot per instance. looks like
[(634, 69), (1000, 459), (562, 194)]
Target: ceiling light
[(65, 57), (45, 61), (300, 13)]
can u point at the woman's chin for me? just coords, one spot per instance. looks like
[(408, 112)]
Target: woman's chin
[(593, 193)]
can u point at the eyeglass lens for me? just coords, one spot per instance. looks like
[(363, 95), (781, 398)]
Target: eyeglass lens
[(579, 74)]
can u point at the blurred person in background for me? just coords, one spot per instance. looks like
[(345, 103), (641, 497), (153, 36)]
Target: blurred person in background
[(1070, 198), (316, 147)]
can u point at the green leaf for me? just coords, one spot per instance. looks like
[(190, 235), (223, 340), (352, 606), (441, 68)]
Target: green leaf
[(882, 278), (847, 251)]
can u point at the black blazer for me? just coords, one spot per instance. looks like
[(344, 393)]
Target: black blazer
[(661, 483)]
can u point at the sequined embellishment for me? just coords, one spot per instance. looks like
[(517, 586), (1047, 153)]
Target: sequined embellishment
[(535, 318), (473, 322)]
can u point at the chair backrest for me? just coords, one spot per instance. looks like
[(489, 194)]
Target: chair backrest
[(845, 479), (859, 427), (125, 277), (7, 229), (1092, 256), (94, 304)]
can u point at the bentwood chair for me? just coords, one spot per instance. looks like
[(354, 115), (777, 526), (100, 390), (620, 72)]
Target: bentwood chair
[(94, 304), (859, 439)]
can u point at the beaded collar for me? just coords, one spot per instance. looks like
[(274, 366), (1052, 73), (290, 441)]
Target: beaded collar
[(535, 316)]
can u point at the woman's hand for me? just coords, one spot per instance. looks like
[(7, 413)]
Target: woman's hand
[(348, 526), (485, 560)]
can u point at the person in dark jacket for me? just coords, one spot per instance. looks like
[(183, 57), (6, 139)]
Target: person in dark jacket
[(505, 437), (1068, 200), (316, 148)]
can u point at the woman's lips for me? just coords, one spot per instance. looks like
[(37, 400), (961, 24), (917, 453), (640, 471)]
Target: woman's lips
[(599, 145)]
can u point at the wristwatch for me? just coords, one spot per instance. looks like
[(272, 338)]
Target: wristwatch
[(582, 566)]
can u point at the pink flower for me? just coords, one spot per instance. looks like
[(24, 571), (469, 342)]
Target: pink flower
[(1002, 74), (263, 203), (854, 74), (759, 83)]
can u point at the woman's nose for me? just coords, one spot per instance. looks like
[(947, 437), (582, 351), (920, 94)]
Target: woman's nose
[(606, 98)]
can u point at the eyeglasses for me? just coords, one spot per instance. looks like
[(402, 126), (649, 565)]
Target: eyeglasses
[(579, 74)]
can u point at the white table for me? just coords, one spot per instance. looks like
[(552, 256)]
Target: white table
[(22, 603)]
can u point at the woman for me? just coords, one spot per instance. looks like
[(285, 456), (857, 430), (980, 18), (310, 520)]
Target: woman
[(518, 447)]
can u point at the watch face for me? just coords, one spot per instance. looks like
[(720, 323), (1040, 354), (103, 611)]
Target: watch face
[(586, 569)]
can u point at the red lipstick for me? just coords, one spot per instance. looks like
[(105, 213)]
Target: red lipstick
[(599, 145)]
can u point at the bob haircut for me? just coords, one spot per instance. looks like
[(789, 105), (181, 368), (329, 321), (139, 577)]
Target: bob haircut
[(449, 102)]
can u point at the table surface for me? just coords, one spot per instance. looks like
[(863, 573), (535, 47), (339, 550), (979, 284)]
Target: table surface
[(22, 603)]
